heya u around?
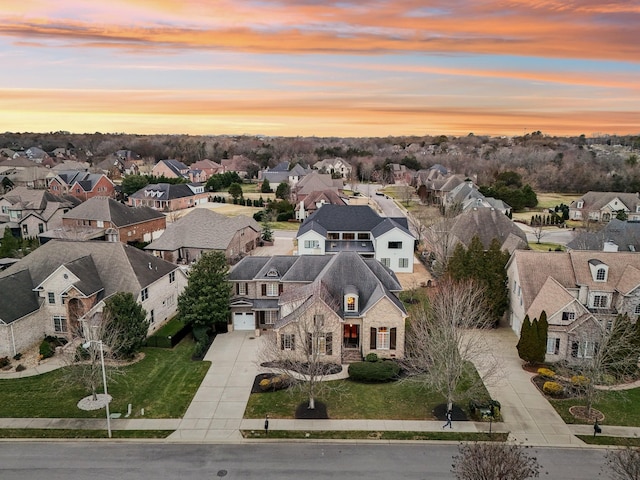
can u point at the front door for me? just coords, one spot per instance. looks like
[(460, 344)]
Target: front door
[(351, 337)]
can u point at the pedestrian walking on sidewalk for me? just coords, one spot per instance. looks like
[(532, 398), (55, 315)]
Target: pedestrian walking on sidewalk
[(596, 428), (448, 424), (266, 425)]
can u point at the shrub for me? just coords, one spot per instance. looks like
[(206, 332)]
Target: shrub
[(17, 356), (580, 381), (372, 357), (384, 371), (46, 350), (277, 382), (483, 409), (552, 388), (4, 362), (546, 373), (20, 368)]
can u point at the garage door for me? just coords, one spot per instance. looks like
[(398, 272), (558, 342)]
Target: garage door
[(243, 321)]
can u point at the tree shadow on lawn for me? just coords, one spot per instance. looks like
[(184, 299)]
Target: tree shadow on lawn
[(457, 414)]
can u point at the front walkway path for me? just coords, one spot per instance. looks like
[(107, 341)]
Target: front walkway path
[(526, 413)]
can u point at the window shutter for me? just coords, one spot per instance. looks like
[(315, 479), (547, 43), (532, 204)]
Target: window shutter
[(237, 289), (282, 342), (574, 349), (557, 349), (373, 338), (264, 289), (329, 342), (392, 339), (309, 343), (280, 288), (293, 342)]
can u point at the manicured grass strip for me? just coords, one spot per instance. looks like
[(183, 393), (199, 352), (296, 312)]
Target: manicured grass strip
[(619, 408), (163, 383), (375, 435), (62, 433), (545, 247), (615, 441), (345, 399)]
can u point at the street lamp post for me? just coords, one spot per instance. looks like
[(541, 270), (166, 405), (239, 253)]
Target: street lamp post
[(104, 381)]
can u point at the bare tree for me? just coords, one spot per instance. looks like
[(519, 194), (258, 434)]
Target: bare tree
[(494, 461), (305, 341), (440, 242), (623, 464), (539, 232), (600, 353), (443, 344), (85, 359)]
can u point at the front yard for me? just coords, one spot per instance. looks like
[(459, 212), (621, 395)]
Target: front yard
[(163, 383), (619, 408)]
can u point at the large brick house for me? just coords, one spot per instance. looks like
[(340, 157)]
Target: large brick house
[(167, 197), (82, 185), (51, 290), (355, 296), (109, 219), (580, 292)]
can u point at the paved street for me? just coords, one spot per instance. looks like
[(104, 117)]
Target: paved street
[(264, 461)]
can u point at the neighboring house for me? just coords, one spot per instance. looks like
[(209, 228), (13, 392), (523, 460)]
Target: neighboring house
[(401, 174), (485, 223), (359, 309), (54, 288), (203, 230), (334, 166), (580, 291), (314, 182), (239, 164), (82, 185), (176, 169), (434, 191), (208, 167), (604, 206), (113, 221), (315, 200), (357, 228), (29, 212), (24, 173), (466, 196), (166, 197), (281, 173), (615, 236)]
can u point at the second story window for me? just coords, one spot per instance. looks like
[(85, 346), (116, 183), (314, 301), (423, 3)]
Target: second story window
[(241, 288), (271, 289), (51, 298), (600, 301), (395, 245), (568, 316), (172, 277), (144, 294)]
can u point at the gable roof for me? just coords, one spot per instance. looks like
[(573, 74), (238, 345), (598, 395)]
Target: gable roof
[(487, 224), (352, 218), (175, 166), (328, 196), (624, 235), (202, 228), (17, 297), (85, 179), (110, 210), (113, 266), (165, 191), (597, 200)]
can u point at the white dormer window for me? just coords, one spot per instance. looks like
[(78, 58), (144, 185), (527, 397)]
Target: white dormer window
[(351, 303), (599, 270), (580, 204), (273, 273)]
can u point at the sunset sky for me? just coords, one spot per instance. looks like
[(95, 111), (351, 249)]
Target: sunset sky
[(320, 67)]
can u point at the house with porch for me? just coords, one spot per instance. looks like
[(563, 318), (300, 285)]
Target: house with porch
[(167, 197), (355, 298), (54, 288), (580, 292)]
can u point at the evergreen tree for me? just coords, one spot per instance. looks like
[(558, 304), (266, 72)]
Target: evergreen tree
[(205, 300), (283, 191), (235, 190), (9, 245), (543, 328), (265, 188), (456, 267), (129, 322), (527, 344)]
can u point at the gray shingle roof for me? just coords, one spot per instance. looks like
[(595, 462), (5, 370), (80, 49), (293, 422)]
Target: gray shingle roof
[(202, 228), (167, 191), (17, 297), (108, 209), (487, 224), (352, 218), (626, 235), (119, 267)]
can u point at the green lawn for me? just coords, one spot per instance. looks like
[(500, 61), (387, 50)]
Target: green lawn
[(373, 435), (604, 440), (619, 408), (163, 383), (544, 246), (345, 399), (550, 200), (64, 433)]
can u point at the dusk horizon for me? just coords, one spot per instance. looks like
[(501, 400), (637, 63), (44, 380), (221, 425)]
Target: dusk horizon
[(290, 68)]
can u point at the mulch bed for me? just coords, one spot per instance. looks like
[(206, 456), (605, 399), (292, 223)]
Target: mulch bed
[(303, 411), (327, 368), (539, 382), (457, 414), (580, 412)]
